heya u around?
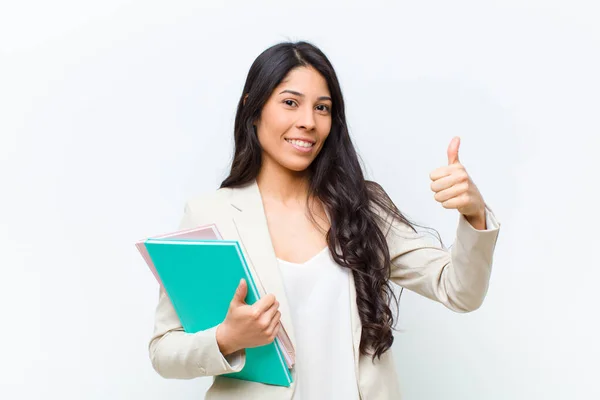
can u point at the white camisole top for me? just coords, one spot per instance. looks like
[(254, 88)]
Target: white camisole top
[(319, 300)]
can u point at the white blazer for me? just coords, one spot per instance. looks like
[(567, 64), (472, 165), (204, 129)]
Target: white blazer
[(457, 278)]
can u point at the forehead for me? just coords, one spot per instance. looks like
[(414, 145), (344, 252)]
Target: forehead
[(306, 80)]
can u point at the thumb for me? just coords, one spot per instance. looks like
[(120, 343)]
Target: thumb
[(240, 292), (453, 151)]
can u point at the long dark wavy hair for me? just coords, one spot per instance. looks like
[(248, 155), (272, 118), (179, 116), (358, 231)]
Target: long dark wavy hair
[(336, 179)]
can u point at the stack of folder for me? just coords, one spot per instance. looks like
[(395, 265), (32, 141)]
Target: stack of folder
[(200, 272)]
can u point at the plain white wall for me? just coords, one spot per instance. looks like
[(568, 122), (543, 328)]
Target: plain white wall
[(112, 114)]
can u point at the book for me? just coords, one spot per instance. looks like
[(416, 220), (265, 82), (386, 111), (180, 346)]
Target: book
[(203, 232), (211, 232), (200, 277)]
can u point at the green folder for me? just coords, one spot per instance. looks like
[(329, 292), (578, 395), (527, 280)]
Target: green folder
[(200, 278)]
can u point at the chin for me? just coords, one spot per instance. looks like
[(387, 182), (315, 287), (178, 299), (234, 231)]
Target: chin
[(296, 167)]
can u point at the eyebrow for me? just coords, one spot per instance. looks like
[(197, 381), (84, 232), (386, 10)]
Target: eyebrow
[(301, 95)]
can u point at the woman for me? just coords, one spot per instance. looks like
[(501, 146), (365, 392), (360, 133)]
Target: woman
[(325, 243)]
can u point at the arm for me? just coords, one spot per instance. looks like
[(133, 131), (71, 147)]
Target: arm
[(457, 278), (177, 354)]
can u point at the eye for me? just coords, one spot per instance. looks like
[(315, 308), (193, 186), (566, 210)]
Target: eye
[(326, 107), (289, 101)]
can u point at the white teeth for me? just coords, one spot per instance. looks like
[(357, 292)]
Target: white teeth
[(300, 143)]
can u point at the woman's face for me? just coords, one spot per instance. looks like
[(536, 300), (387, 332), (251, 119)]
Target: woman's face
[(296, 120)]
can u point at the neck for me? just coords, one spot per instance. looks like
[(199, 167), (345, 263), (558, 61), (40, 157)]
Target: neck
[(289, 188)]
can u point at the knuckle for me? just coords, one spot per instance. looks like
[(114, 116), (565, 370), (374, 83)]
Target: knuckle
[(264, 325), (255, 314)]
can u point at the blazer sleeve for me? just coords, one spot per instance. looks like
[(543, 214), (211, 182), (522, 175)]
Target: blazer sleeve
[(458, 278), (177, 354)]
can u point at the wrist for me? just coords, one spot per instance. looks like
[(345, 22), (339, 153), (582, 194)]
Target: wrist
[(223, 341), (478, 221)]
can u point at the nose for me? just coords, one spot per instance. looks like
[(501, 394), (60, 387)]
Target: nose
[(306, 119)]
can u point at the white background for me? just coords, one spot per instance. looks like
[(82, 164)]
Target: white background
[(113, 113)]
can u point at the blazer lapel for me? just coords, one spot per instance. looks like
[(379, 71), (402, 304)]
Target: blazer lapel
[(251, 223)]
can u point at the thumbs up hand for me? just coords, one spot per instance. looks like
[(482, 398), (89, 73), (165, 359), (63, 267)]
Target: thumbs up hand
[(454, 188)]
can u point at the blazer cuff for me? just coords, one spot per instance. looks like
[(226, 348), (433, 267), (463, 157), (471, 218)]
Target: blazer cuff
[(491, 222), (213, 362), (234, 361), (482, 241)]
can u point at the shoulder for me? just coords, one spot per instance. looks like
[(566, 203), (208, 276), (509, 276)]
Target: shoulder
[(208, 201)]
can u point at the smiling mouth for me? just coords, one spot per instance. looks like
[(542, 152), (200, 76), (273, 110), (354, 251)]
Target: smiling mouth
[(300, 143)]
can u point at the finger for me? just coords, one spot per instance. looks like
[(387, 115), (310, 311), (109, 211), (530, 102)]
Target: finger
[(453, 151), (452, 192), (458, 175), (456, 202), (268, 315), (446, 170), (275, 324), (443, 183), (240, 293), (264, 303), (441, 172)]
